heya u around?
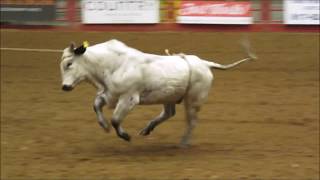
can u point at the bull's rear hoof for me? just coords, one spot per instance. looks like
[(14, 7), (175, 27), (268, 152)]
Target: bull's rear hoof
[(105, 126), (107, 130), (145, 132), (125, 136), (182, 145)]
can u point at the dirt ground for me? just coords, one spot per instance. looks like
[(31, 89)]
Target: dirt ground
[(261, 120)]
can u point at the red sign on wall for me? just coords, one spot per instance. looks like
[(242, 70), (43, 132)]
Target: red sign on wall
[(214, 12)]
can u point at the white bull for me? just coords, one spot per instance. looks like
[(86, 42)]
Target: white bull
[(126, 77)]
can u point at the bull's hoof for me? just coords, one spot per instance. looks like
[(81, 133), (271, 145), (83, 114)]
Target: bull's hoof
[(184, 145), (185, 142), (107, 130), (105, 127), (125, 136), (145, 132)]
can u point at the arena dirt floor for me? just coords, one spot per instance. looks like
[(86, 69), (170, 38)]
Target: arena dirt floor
[(261, 120)]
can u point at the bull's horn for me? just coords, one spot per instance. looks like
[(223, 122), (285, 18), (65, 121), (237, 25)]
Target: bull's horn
[(72, 46)]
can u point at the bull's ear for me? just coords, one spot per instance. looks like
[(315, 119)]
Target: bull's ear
[(80, 50)]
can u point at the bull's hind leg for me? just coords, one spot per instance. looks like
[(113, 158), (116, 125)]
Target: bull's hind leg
[(191, 118), (124, 106), (99, 102), (168, 111)]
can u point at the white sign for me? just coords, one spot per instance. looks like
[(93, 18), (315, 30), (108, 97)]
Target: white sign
[(305, 12), (120, 11)]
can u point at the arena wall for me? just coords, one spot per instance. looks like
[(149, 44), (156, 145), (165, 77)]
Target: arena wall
[(267, 17)]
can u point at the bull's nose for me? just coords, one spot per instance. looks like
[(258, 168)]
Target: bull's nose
[(67, 87)]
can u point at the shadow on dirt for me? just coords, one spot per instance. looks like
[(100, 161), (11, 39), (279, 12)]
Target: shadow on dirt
[(162, 150)]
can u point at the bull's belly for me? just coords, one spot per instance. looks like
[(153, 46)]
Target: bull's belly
[(172, 93), (162, 96)]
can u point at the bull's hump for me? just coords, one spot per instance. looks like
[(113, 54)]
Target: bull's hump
[(115, 41), (121, 48)]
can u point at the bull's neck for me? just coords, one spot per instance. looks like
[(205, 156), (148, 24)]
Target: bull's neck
[(100, 69)]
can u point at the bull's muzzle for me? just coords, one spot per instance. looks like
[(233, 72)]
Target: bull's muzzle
[(67, 87)]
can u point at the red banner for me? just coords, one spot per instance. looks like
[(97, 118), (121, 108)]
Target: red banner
[(208, 11)]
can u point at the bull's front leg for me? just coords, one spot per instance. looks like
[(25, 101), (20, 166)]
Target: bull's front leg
[(99, 102), (124, 106)]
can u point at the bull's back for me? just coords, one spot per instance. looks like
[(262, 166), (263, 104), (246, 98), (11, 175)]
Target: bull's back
[(165, 80)]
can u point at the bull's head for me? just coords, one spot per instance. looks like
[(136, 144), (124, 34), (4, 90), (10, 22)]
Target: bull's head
[(71, 66)]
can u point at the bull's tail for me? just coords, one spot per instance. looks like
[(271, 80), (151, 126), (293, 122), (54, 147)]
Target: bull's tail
[(224, 67), (246, 46), (244, 43)]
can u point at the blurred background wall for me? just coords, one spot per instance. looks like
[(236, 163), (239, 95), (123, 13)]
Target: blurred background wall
[(265, 14)]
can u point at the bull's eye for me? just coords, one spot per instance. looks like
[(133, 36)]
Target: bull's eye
[(69, 64)]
